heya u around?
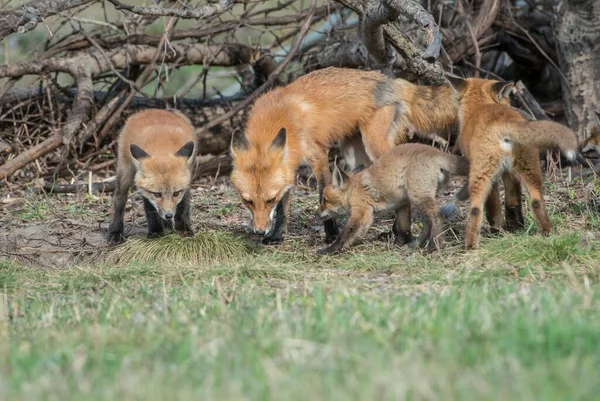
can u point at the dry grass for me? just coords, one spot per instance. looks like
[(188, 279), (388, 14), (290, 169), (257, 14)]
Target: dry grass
[(203, 249)]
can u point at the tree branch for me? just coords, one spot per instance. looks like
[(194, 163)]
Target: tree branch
[(187, 13), (26, 17)]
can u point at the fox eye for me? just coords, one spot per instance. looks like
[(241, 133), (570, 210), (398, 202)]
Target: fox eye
[(176, 193), (157, 194), (248, 201), (324, 200), (271, 201)]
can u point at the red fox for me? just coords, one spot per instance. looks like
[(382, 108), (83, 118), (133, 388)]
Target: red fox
[(156, 151), (410, 175), (302, 121), (592, 142), (499, 142)]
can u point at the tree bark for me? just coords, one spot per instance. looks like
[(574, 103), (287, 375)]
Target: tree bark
[(578, 43)]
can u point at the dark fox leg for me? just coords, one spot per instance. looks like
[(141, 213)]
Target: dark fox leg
[(513, 209), (320, 167), (183, 226), (279, 222), (528, 167), (493, 209), (115, 229), (357, 226), (156, 226), (401, 226)]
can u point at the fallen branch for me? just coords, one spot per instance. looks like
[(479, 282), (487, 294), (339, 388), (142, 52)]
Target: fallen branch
[(187, 13)]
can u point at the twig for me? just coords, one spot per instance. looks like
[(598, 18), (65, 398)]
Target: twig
[(272, 77)]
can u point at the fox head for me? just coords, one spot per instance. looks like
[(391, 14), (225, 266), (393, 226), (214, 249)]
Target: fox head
[(334, 201), (260, 175), (593, 141), (164, 179), (483, 91)]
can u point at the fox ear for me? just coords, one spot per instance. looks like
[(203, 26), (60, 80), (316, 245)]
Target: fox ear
[(339, 177), (187, 151), (279, 141), (138, 154), (502, 89), (239, 141)]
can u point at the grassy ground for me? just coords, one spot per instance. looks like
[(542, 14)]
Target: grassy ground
[(517, 318)]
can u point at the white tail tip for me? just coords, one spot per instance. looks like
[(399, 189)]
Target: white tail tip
[(571, 155)]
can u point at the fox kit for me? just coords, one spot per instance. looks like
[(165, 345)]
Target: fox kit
[(302, 121), (499, 142), (593, 141), (156, 152), (410, 175)]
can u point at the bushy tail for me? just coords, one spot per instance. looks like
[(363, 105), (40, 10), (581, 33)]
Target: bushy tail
[(544, 135), (455, 164)]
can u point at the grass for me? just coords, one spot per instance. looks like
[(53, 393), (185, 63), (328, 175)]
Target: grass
[(220, 317), (204, 248), (226, 339)]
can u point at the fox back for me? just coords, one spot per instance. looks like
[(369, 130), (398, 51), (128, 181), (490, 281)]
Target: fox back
[(161, 147)]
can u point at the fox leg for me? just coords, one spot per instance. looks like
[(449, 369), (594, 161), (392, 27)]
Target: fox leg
[(156, 224), (480, 182), (124, 183), (279, 222), (493, 209), (530, 171), (401, 227), (431, 234), (183, 226), (358, 224), (513, 210), (320, 165), (377, 132)]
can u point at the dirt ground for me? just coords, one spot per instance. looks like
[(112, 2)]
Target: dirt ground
[(64, 229)]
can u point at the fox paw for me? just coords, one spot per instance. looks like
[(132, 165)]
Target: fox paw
[(327, 251), (272, 240), (114, 238)]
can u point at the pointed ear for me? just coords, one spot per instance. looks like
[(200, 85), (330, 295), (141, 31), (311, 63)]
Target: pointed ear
[(458, 83), (187, 151), (239, 142), (502, 89), (339, 177), (279, 141), (137, 154)]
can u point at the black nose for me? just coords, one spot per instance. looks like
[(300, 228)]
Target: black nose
[(169, 216), (259, 232)]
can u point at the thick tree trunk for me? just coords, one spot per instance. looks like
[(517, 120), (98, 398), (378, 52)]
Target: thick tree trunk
[(578, 43)]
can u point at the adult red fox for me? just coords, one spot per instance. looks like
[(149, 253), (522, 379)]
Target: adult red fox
[(499, 142), (408, 176), (156, 152), (302, 121)]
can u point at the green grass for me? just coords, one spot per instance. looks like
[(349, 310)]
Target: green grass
[(231, 339)]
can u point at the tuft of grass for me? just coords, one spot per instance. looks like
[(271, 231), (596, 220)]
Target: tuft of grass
[(553, 250), (205, 248)]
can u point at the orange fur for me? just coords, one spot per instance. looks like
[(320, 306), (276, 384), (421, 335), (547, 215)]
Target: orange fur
[(157, 154), (315, 112), (500, 142), (592, 142)]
